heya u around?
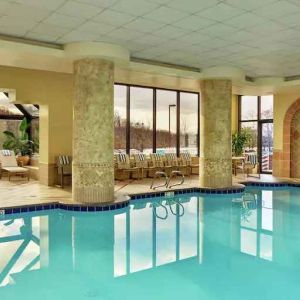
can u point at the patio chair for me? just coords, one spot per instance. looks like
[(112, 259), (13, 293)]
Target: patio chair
[(238, 164), (10, 165), (175, 163), (245, 166), (157, 164), (124, 169), (251, 163), (64, 168), (186, 160), (141, 161)]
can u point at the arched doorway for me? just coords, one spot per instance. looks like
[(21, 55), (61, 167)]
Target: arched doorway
[(295, 145), (291, 142)]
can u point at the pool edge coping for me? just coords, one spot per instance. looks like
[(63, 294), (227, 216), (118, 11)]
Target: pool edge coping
[(80, 207)]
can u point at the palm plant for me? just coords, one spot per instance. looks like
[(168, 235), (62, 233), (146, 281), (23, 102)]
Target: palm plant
[(239, 140), (36, 142), (19, 143)]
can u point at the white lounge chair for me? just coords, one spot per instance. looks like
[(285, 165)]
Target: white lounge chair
[(10, 165)]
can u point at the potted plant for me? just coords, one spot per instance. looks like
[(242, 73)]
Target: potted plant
[(239, 140), (20, 143)]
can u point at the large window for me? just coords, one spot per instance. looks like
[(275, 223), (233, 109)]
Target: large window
[(249, 108), (166, 121), (256, 120), (141, 120), (155, 120), (189, 114), (120, 92)]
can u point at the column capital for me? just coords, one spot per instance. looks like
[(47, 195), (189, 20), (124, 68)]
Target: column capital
[(111, 52), (231, 73)]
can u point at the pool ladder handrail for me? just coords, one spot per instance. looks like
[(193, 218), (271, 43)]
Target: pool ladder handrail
[(157, 175), (167, 179), (173, 174)]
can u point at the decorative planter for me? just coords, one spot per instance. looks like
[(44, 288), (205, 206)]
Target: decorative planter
[(23, 160)]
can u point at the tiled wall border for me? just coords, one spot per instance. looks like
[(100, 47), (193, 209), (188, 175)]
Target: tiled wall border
[(63, 206), (272, 184), (235, 190), (97, 208)]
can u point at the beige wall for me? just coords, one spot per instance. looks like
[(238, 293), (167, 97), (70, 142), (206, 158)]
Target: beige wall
[(53, 92)]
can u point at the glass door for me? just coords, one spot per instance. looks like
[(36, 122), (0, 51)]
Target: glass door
[(266, 146)]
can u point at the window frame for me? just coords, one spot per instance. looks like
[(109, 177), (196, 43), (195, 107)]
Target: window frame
[(154, 106), (259, 122)]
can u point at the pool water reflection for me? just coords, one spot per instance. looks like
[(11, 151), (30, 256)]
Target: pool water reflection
[(201, 247)]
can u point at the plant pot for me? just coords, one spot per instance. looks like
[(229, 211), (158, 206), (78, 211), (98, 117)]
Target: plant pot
[(23, 160)]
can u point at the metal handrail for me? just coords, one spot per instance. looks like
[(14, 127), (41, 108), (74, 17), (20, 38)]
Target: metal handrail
[(159, 174), (177, 173)]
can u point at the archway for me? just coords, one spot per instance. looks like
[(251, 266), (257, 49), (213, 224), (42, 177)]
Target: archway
[(291, 141), (295, 145)]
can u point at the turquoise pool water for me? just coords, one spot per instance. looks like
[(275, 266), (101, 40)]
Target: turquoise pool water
[(188, 247)]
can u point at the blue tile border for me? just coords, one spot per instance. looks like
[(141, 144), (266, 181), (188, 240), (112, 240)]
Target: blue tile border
[(271, 184), (233, 190), (62, 206), (114, 206)]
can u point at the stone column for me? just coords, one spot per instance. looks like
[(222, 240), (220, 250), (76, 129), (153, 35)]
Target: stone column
[(93, 131), (215, 146)]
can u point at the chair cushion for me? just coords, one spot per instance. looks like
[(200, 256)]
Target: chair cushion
[(15, 169), (8, 161), (64, 160)]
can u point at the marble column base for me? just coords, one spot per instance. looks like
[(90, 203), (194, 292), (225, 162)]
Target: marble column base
[(215, 173), (93, 183)]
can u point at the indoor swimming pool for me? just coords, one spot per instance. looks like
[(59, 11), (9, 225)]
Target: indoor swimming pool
[(192, 246)]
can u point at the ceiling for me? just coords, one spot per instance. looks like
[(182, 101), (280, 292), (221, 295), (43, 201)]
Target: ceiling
[(262, 37)]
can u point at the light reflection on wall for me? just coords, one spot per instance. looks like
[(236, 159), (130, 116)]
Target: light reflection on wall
[(160, 233), (257, 227), (20, 246)]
